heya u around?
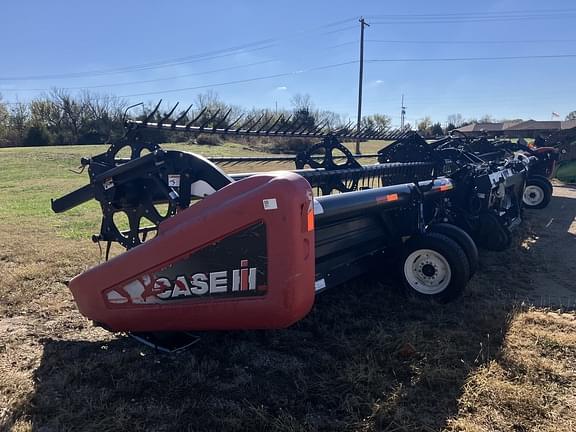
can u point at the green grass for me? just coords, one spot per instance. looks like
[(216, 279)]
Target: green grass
[(30, 177), (567, 172), (370, 146)]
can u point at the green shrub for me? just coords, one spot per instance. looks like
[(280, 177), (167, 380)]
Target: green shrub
[(567, 172), (37, 136), (289, 145)]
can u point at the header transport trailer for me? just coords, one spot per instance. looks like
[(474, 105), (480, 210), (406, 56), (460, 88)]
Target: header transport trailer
[(251, 251)]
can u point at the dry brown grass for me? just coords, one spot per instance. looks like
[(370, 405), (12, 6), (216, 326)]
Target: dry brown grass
[(531, 385), (344, 366), (365, 359)]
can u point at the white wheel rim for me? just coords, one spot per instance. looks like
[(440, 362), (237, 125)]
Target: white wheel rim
[(427, 271), (533, 195)]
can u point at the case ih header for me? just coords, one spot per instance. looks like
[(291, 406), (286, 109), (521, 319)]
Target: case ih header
[(251, 251)]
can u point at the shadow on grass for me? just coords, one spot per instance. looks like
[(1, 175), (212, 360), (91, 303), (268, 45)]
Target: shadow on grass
[(365, 359), (553, 269)]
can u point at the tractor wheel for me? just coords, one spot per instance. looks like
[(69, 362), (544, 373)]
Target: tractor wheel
[(433, 266), (463, 239), (545, 179), (492, 234), (537, 193)]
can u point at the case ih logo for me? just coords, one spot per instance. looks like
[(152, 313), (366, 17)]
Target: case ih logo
[(146, 290), (200, 284)]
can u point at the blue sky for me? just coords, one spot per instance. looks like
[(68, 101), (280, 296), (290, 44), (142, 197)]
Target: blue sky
[(221, 41)]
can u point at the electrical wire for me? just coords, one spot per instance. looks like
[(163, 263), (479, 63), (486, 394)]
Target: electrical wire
[(510, 14), (226, 83), (271, 42), (472, 20), (458, 59), (469, 42), (479, 13), (169, 78), (128, 83), (211, 55), (284, 74), (353, 62)]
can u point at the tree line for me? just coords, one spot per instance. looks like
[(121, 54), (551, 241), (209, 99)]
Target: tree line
[(59, 118)]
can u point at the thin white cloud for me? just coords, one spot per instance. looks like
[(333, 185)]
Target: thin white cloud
[(282, 88)]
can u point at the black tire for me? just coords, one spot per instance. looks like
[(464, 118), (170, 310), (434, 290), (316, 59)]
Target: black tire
[(537, 193), (463, 239), (492, 234), (419, 267), (545, 179)]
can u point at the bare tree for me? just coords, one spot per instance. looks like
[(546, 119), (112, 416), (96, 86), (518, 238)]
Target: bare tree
[(72, 111), (302, 102), (486, 118), (455, 119), (102, 116), (4, 121), (333, 120), (18, 123), (44, 113), (375, 122), (217, 108), (425, 124)]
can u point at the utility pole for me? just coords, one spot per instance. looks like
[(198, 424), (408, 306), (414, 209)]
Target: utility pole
[(402, 114), (362, 25)]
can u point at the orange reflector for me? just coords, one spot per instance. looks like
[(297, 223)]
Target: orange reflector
[(388, 198), (311, 219), (445, 187)]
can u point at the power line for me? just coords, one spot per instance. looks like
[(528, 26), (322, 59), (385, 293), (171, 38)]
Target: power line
[(541, 12), (332, 66), (174, 77), (470, 42), (128, 83), (211, 55), (473, 20), (388, 60), (451, 59), (474, 17), (546, 13), (271, 42), (226, 83), (142, 67)]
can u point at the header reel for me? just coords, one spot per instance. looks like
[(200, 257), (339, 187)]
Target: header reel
[(142, 190), (139, 185)]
